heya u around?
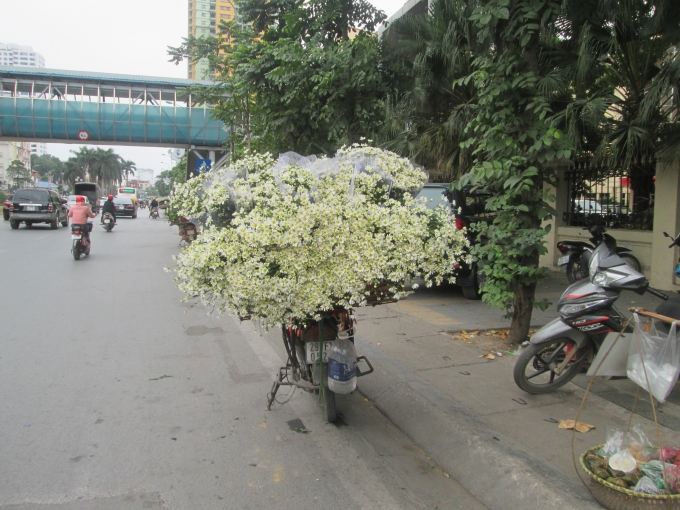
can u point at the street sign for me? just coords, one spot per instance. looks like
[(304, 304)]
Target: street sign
[(83, 135), (203, 166)]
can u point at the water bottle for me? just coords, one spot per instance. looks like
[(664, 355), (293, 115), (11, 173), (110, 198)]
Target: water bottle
[(342, 365)]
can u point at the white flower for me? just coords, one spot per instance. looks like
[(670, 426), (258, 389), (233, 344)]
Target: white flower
[(286, 242)]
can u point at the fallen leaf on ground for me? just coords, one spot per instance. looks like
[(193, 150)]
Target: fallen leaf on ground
[(580, 426), (446, 475), (488, 356)]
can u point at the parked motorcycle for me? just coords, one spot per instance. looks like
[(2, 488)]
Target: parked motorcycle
[(188, 230), (577, 253), (80, 235), (108, 222), (323, 368), (154, 213), (559, 350)]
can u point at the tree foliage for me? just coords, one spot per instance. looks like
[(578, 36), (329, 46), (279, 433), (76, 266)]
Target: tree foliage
[(166, 180), (425, 114), (17, 173), (292, 77), (48, 166)]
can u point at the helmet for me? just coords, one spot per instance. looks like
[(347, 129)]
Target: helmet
[(110, 197), (80, 199)]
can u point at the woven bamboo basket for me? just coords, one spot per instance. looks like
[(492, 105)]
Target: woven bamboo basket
[(614, 497)]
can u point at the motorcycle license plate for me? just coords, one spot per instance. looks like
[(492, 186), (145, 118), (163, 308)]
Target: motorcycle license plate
[(563, 260), (75, 237), (190, 232), (312, 349), (107, 220)]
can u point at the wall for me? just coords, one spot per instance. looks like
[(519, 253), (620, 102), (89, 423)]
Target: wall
[(650, 247)]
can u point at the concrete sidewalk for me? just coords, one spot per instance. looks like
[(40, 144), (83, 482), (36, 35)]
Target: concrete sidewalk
[(502, 444)]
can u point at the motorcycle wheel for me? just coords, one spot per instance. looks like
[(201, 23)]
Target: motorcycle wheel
[(631, 260), (575, 271), (535, 368), (76, 251), (109, 227)]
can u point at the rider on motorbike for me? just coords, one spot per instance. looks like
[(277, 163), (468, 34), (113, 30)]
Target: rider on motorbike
[(109, 208), (80, 212), (154, 204)]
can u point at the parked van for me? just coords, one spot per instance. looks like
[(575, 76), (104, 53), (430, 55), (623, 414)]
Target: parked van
[(92, 191)]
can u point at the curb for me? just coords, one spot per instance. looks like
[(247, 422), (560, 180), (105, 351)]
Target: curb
[(492, 467)]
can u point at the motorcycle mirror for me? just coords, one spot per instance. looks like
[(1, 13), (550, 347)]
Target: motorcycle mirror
[(666, 234)]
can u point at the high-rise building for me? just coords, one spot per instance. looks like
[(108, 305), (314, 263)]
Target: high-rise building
[(410, 8), (204, 19), (18, 55), (38, 149)]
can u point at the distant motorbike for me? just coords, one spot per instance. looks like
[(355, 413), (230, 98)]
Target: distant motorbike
[(188, 230), (108, 222), (80, 235), (154, 213), (576, 254), (142, 205)]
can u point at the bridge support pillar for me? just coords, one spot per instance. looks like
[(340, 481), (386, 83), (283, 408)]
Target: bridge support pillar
[(201, 159)]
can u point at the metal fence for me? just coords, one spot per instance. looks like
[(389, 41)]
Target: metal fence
[(618, 198)]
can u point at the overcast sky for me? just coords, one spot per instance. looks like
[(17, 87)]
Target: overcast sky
[(123, 36)]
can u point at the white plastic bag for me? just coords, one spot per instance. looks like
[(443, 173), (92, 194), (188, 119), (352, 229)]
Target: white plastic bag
[(661, 355)]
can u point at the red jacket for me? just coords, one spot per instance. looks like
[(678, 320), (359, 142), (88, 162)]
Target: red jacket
[(80, 213)]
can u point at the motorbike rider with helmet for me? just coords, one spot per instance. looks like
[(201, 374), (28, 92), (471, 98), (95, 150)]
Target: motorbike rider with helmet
[(110, 208), (154, 204), (80, 212)]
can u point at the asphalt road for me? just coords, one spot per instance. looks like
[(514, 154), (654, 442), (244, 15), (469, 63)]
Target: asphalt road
[(116, 395)]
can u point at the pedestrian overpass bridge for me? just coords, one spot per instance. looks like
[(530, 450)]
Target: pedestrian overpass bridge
[(58, 106)]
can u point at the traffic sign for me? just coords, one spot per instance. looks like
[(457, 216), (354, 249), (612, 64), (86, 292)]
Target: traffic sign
[(83, 135)]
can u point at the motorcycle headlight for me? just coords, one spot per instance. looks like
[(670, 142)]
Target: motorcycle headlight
[(606, 278), (575, 308)]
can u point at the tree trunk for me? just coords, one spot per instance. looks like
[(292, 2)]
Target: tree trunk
[(523, 306), (523, 302)]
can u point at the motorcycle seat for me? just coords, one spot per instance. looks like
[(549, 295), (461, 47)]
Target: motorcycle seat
[(669, 308)]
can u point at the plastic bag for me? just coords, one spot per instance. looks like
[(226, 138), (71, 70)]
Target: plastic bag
[(654, 470), (658, 356), (647, 485), (667, 454), (614, 443), (673, 478), (639, 446)]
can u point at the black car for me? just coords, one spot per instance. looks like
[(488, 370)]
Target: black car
[(37, 205), (125, 207), (467, 207)]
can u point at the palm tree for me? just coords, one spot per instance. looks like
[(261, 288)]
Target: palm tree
[(127, 168), (108, 167), (86, 159), (73, 171), (426, 114), (625, 69)]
